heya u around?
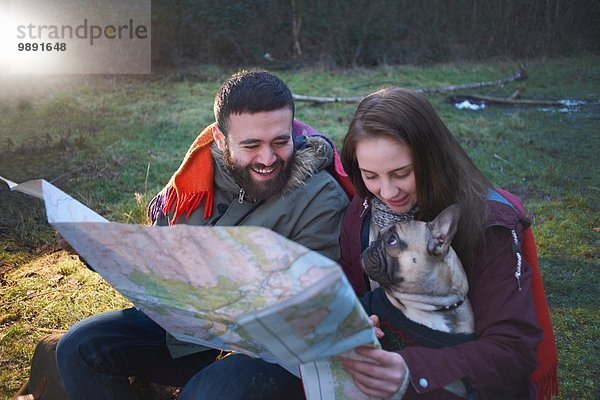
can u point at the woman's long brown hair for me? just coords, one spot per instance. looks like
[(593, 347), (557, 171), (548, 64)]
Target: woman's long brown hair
[(444, 173)]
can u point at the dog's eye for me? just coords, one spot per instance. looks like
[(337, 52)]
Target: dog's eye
[(392, 240)]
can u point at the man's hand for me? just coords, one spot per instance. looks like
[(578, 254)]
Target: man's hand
[(63, 244)]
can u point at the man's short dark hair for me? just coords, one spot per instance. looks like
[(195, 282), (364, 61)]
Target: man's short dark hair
[(250, 91)]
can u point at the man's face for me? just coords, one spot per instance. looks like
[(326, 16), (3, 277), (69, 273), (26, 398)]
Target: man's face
[(258, 151)]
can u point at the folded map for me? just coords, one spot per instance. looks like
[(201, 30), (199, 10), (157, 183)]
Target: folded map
[(243, 289)]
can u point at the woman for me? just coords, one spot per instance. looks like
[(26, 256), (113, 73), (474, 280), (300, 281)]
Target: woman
[(404, 163)]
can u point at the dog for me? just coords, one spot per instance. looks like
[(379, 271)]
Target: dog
[(422, 284)]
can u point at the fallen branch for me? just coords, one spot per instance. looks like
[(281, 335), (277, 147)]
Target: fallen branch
[(503, 101), (46, 330), (316, 99), (515, 76)]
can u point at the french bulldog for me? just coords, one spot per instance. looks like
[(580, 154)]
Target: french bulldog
[(423, 279)]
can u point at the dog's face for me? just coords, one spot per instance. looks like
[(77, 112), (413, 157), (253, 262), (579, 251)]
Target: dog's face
[(416, 258)]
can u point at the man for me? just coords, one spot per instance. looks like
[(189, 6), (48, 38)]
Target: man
[(252, 167)]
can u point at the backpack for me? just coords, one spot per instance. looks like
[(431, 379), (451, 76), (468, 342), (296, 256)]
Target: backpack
[(543, 381)]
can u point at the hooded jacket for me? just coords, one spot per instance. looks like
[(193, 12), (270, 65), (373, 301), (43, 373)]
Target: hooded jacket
[(497, 364), (308, 210)]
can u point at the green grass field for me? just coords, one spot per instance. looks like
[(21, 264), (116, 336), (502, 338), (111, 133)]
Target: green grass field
[(112, 142)]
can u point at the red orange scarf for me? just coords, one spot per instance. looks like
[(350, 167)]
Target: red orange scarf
[(192, 183)]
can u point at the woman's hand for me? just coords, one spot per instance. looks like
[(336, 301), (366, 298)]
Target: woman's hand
[(381, 373), (374, 320), (63, 244)]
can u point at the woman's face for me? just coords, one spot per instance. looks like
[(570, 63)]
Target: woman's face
[(387, 171)]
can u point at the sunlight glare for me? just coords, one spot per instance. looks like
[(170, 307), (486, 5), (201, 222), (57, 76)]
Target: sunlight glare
[(5, 41)]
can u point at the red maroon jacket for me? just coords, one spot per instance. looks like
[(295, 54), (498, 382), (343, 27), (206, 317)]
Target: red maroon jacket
[(497, 364)]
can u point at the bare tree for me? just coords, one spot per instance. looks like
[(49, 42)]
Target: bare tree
[(296, 25)]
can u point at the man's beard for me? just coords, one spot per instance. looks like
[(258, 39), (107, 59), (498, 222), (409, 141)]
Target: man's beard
[(259, 190)]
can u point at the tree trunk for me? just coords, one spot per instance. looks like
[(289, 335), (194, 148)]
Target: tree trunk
[(296, 25)]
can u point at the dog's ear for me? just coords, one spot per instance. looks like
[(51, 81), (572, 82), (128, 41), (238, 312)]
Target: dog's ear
[(443, 229)]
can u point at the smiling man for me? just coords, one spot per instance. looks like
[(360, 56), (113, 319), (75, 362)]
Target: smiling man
[(254, 166), (259, 152)]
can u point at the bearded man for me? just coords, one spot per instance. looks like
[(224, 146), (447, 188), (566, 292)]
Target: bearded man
[(255, 165)]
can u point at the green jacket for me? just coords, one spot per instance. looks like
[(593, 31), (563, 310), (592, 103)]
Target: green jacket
[(308, 211)]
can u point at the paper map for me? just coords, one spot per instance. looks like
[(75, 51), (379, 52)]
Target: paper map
[(243, 289)]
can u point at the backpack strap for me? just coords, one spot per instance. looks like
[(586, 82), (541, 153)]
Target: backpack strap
[(543, 381), (493, 195)]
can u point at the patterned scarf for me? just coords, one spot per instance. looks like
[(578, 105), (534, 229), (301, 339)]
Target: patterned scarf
[(382, 215)]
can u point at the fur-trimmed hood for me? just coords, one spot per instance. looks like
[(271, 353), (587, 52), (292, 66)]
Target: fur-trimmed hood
[(312, 154), (201, 175)]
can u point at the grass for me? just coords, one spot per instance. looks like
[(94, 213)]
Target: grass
[(112, 142)]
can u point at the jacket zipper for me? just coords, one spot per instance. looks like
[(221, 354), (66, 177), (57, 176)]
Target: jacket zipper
[(517, 250), (365, 205)]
